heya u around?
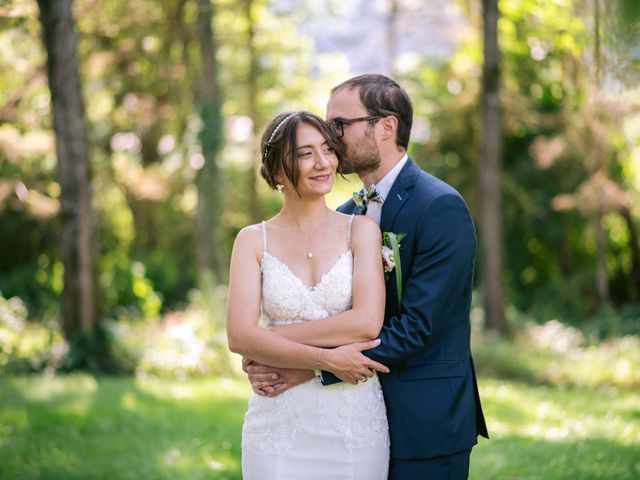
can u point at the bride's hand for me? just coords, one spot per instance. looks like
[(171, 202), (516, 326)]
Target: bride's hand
[(349, 364)]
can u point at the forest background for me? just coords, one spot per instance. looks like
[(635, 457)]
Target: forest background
[(128, 160)]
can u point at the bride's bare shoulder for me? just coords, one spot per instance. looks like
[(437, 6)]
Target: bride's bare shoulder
[(365, 229), (249, 238)]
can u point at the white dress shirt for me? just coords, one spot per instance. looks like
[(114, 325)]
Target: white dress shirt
[(374, 209)]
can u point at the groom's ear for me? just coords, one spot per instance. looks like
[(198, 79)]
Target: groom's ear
[(389, 127)]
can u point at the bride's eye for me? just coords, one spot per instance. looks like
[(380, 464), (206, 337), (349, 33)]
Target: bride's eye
[(328, 149), (304, 154)]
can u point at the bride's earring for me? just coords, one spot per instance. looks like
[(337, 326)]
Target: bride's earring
[(279, 188)]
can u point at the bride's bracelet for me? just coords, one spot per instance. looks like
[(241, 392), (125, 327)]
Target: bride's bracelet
[(316, 370)]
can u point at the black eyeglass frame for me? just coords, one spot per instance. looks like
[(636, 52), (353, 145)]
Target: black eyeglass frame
[(339, 123)]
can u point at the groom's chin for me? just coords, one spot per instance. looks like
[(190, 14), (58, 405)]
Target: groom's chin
[(346, 167)]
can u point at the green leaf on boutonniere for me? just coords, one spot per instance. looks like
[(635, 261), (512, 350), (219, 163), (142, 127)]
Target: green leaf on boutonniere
[(392, 241)]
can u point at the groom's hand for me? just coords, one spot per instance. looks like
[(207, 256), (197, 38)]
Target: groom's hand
[(270, 381), (261, 377)]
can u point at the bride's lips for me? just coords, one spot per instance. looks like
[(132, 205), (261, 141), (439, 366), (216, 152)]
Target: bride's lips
[(321, 178)]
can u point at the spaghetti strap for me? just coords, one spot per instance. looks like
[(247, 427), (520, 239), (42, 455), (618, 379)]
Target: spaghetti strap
[(349, 231), (264, 236)]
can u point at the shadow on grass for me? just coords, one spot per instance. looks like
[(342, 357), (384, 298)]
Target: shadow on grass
[(80, 427)]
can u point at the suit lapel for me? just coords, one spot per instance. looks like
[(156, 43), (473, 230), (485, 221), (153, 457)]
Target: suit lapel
[(398, 195)]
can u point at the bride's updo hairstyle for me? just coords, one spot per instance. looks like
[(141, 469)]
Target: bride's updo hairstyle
[(279, 140)]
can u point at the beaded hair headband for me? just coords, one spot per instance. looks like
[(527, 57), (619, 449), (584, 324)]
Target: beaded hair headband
[(275, 130)]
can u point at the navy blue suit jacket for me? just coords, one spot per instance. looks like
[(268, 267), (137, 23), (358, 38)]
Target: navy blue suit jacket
[(431, 393)]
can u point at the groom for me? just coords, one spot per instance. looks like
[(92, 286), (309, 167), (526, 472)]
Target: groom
[(431, 393)]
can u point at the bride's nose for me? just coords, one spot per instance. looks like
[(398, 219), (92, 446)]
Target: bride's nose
[(322, 160)]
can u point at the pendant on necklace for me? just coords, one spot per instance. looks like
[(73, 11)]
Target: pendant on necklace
[(309, 255)]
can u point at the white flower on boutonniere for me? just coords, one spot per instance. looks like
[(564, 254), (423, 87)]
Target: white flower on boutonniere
[(391, 260), (388, 261)]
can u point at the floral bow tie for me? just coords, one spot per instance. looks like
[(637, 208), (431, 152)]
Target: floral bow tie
[(364, 196)]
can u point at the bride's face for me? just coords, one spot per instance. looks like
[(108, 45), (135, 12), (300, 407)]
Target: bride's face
[(317, 162)]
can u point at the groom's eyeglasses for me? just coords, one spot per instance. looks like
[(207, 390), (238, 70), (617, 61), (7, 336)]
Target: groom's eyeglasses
[(338, 123)]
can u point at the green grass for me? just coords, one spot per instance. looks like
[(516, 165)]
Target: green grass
[(119, 428), (78, 427), (546, 432)]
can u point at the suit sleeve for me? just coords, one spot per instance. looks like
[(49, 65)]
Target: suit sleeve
[(445, 252)]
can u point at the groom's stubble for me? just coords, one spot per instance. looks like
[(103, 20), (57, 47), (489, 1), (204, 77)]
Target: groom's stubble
[(363, 155)]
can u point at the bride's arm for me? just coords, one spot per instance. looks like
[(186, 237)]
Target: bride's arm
[(364, 320), (247, 338)]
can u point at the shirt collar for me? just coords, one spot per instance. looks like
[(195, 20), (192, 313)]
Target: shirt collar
[(384, 185)]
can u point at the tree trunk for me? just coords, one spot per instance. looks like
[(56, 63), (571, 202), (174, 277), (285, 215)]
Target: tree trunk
[(209, 243), (634, 243), (602, 282), (489, 173), (254, 71), (392, 36), (76, 247), (565, 259)]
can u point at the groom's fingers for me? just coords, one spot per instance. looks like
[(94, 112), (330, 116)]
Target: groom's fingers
[(262, 392), (265, 384), (280, 388), (263, 377), (256, 368), (245, 363)]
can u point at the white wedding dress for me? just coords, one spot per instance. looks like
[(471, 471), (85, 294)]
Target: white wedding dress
[(313, 431)]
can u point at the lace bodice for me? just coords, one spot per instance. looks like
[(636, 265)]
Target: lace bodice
[(287, 299)]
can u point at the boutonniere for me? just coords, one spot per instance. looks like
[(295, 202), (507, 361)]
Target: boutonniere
[(391, 259)]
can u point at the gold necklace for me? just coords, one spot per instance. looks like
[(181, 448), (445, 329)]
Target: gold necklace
[(310, 237)]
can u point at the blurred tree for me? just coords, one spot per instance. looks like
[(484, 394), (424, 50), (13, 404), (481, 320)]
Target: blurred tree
[(550, 121), (142, 74), (253, 110), (601, 252), (77, 242), (211, 258), (489, 172), (392, 36)]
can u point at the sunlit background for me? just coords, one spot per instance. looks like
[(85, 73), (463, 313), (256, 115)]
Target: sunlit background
[(148, 389)]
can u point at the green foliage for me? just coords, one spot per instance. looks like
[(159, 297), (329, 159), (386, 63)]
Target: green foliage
[(141, 73), (562, 356), (189, 343), (557, 130), (27, 346)]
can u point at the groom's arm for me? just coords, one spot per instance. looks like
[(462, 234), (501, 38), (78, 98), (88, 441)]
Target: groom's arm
[(445, 251), (441, 272)]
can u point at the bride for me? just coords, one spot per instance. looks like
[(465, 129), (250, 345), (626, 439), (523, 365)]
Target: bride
[(310, 264)]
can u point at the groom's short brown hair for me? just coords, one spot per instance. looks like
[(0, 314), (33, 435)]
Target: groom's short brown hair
[(383, 96)]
